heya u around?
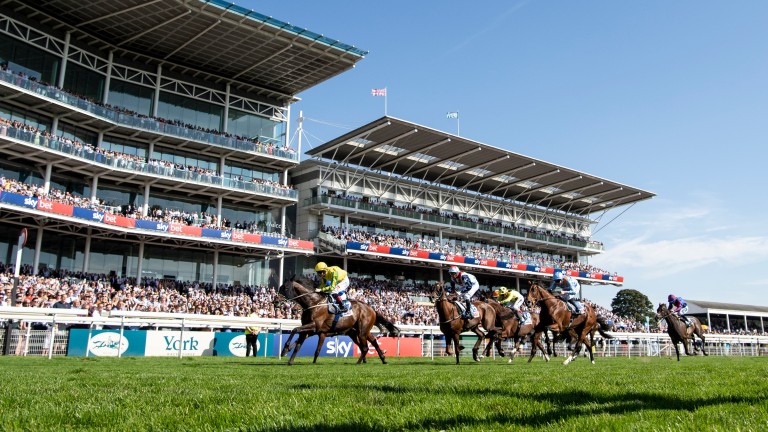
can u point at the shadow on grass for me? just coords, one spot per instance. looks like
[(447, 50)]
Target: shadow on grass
[(565, 405)]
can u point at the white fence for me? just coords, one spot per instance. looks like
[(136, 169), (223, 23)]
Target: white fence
[(44, 332)]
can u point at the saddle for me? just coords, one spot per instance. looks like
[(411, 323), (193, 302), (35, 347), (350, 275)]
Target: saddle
[(473, 309)]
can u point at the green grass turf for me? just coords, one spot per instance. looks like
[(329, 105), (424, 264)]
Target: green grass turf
[(260, 394)]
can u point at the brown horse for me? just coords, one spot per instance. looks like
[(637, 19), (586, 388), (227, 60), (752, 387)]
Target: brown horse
[(510, 329), (317, 320), (679, 332), (452, 324), (556, 317)]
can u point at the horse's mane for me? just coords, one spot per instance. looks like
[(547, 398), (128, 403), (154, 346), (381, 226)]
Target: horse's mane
[(305, 282)]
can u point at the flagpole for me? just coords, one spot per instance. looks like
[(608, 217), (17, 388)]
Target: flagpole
[(385, 101), (455, 115)]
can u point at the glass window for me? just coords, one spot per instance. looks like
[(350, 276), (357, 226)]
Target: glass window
[(119, 145), (77, 133), (32, 61), (199, 114), (252, 126), (185, 159), (26, 117), (84, 82), (249, 173), (133, 97)]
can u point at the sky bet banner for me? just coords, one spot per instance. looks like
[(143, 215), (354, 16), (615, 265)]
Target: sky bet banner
[(456, 259), (122, 221)]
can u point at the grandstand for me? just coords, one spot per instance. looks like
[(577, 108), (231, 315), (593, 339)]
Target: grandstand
[(450, 200), (151, 139)]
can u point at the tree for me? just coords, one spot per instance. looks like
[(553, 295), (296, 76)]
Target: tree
[(633, 304)]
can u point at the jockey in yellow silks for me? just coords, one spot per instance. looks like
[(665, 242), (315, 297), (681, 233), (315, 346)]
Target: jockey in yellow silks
[(334, 280)]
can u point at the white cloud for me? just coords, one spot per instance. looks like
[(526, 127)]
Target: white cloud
[(664, 258)]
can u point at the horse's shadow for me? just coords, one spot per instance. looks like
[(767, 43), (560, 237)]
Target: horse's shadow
[(564, 405)]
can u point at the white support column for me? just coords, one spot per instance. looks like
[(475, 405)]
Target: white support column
[(94, 187), (87, 251), (55, 126), (65, 56), (38, 247), (108, 81), (99, 138), (225, 124), (219, 200), (140, 267), (145, 206), (156, 98), (47, 179), (215, 275), (281, 270)]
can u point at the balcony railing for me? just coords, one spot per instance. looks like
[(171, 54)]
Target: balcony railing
[(142, 122), (383, 209), (87, 153)]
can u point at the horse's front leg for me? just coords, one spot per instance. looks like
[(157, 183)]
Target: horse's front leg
[(320, 340), (287, 347), (478, 344), (299, 341)]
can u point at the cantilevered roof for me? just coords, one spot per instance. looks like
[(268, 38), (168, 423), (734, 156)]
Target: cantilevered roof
[(391, 145), (202, 36)]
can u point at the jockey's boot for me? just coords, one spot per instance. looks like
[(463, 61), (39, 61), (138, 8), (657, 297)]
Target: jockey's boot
[(341, 303), (576, 305), (468, 309), (518, 315), (685, 320)]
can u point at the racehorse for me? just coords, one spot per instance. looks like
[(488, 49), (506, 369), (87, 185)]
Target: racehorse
[(510, 329), (679, 332), (556, 317), (452, 324), (316, 319)]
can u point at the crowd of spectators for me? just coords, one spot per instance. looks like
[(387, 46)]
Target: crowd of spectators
[(156, 214), (133, 162), (265, 147), (449, 247), (462, 217), (101, 293)]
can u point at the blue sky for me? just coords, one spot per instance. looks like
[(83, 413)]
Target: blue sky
[(670, 97)]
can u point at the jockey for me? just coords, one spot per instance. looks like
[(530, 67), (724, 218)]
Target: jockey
[(678, 306), (466, 284), (334, 280), (568, 289), (511, 299)]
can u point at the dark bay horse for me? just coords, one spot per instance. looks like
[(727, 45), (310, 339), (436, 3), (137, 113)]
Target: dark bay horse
[(556, 317), (452, 324), (317, 320), (510, 329), (679, 332)]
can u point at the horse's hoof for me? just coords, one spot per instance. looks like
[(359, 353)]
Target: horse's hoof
[(502, 354), (509, 361)]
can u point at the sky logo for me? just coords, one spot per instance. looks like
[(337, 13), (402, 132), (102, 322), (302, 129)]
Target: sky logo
[(161, 227), (282, 242), (30, 202), (339, 349), (98, 217), (226, 235)]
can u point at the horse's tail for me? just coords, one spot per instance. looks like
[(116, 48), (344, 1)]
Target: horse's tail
[(391, 329), (604, 326)]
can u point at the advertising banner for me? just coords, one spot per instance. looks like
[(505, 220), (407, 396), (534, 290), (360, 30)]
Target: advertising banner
[(19, 200), (233, 344), (274, 241), (168, 343), (93, 216), (55, 207), (301, 244), (335, 346), (118, 220), (407, 347), (152, 225), (106, 343), (216, 234), (245, 237)]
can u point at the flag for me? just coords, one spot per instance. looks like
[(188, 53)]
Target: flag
[(452, 115), (379, 92)]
